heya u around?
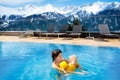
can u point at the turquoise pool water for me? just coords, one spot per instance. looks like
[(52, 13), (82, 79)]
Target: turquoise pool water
[(32, 61)]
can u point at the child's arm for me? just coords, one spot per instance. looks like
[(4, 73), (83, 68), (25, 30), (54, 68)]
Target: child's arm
[(58, 68), (81, 73), (64, 71)]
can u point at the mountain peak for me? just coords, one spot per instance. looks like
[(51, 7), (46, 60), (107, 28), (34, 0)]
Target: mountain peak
[(67, 11), (30, 6), (48, 6)]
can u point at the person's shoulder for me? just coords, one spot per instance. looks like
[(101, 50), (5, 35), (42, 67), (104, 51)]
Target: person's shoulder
[(53, 64)]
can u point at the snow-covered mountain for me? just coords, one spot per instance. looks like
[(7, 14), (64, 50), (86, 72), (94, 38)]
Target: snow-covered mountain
[(66, 11), (35, 17)]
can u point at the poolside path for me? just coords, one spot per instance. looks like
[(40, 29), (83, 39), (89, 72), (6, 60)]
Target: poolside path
[(76, 41)]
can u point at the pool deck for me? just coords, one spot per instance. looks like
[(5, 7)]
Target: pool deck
[(76, 41)]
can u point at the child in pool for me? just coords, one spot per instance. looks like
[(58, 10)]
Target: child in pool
[(71, 65)]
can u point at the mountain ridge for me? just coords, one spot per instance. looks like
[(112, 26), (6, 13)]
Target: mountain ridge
[(34, 17), (66, 11)]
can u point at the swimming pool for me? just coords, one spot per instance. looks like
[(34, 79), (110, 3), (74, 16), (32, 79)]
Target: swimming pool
[(32, 61)]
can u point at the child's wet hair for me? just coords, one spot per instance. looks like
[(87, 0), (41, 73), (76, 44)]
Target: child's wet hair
[(55, 53)]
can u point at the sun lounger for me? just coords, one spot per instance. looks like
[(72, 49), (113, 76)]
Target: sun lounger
[(50, 31), (75, 31), (27, 33), (104, 31), (62, 31)]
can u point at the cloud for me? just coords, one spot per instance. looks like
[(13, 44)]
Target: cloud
[(13, 2)]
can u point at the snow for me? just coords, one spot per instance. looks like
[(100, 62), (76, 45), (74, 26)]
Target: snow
[(66, 11)]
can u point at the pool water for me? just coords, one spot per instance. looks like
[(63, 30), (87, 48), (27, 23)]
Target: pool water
[(32, 61)]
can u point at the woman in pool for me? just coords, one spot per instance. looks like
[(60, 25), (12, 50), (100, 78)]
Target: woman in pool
[(57, 59)]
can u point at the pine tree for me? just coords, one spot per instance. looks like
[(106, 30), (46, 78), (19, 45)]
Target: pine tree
[(76, 21)]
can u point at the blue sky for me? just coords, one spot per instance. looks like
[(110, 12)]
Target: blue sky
[(56, 3)]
